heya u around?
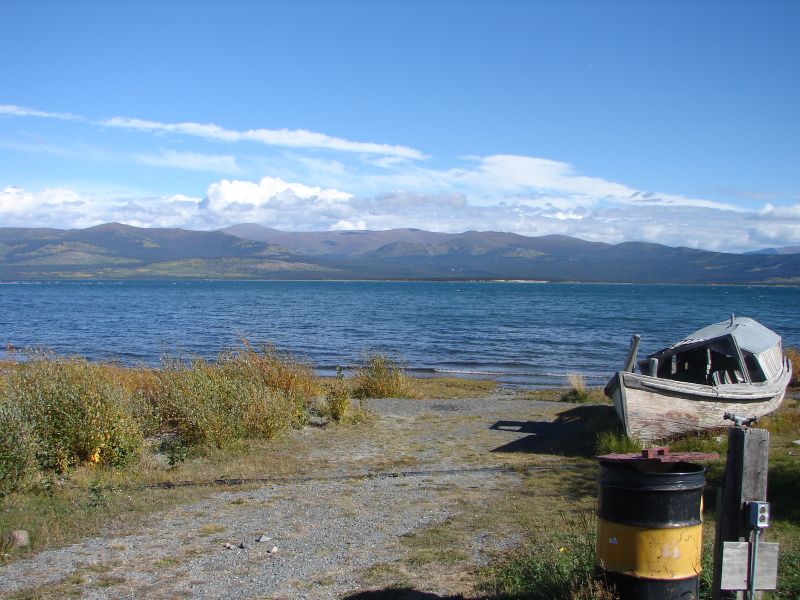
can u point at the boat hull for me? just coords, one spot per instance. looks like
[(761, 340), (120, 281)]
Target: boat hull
[(652, 409)]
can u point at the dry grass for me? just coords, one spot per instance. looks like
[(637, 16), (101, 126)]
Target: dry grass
[(380, 376), (58, 413)]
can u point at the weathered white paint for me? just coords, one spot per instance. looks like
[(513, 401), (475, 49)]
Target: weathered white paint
[(656, 409)]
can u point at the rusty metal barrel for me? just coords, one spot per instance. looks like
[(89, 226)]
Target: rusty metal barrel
[(650, 524)]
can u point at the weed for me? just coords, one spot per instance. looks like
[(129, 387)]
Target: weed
[(96, 495), (613, 441), (553, 565), (211, 529), (381, 377), (109, 580), (577, 390), (175, 450), (701, 441)]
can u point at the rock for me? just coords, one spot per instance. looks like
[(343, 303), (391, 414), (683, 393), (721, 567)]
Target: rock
[(263, 538), (228, 546), (316, 421), (273, 550), (20, 538), (241, 545), (796, 442)]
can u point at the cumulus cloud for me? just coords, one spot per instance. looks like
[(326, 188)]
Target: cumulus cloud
[(67, 208), (381, 186), (294, 206)]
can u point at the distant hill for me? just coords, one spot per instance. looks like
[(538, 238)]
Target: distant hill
[(121, 251), (781, 250), (117, 251)]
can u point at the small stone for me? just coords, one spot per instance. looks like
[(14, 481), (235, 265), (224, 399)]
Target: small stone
[(273, 550), (20, 538), (241, 545), (796, 442), (263, 538), (228, 546)]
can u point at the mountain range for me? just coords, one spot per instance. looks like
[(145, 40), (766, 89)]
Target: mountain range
[(249, 251)]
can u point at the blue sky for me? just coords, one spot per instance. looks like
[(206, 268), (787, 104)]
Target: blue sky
[(672, 122)]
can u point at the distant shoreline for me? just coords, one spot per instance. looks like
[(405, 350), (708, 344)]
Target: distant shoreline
[(23, 281)]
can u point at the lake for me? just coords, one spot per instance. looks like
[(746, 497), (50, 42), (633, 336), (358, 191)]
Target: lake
[(528, 334)]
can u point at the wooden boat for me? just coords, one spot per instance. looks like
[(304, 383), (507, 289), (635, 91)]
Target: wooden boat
[(736, 366)]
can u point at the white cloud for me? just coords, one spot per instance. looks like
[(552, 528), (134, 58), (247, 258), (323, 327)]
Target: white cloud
[(290, 138), (191, 160), (287, 138), (22, 111), (780, 212), (294, 206), (344, 225), (381, 186)]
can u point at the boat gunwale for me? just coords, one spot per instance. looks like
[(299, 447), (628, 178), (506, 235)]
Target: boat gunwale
[(739, 392)]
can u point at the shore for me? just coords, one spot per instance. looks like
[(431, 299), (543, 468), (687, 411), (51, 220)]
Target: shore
[(426, 495)]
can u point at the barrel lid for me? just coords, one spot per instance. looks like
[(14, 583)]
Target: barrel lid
[(658, 455)]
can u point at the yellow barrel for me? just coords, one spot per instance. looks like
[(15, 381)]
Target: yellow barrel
[(650, 528)]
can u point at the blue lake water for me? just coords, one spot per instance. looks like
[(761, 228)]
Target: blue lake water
[(519, 333)]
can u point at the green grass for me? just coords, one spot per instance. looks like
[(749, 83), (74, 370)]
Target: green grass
[(554, 564)]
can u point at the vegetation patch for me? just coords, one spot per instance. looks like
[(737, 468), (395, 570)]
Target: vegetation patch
[(551, 565), (60, 413), (379, 376), (578, 393)]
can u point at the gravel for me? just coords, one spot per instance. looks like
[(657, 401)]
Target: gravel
[(322, 536)]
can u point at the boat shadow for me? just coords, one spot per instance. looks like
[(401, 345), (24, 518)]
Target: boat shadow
[(572, 433)]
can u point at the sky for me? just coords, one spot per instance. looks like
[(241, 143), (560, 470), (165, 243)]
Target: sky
[(671, 122)]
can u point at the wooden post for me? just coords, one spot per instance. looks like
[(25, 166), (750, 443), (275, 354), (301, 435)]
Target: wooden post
[(745, 480)]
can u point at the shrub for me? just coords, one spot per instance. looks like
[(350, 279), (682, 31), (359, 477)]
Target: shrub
[(74, 411), (280, 371), (17, 448), (552, 566), (219, 403), (337, 397), (381, 377)]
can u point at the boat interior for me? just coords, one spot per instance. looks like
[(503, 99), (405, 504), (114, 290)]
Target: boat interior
[(707, 362)]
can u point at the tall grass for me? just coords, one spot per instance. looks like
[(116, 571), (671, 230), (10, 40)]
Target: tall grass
[(381, 377), (57, 413)]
